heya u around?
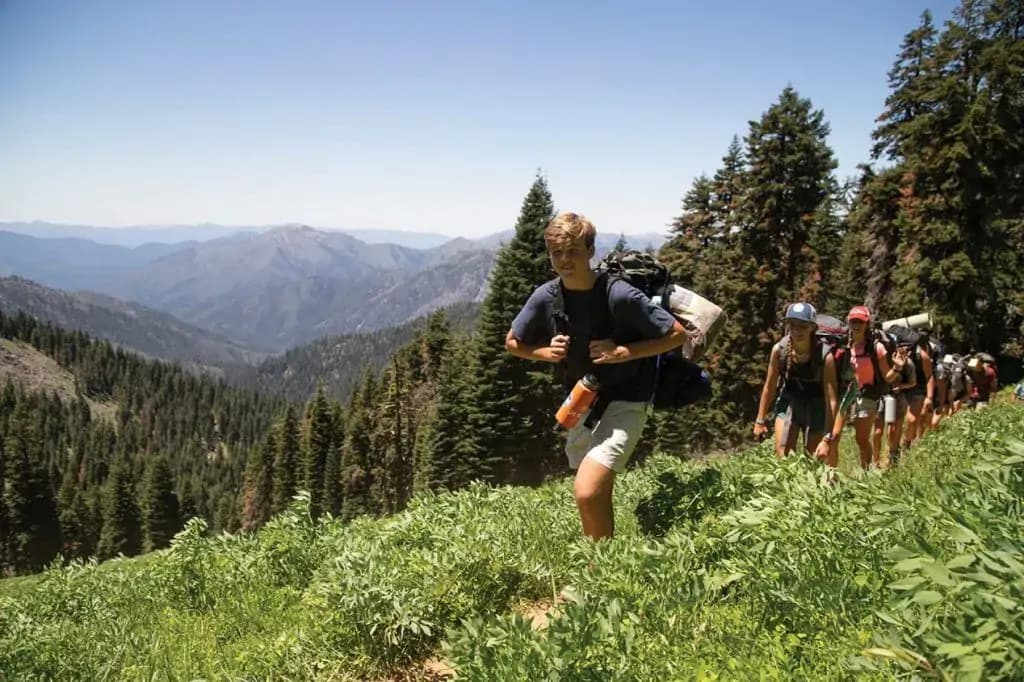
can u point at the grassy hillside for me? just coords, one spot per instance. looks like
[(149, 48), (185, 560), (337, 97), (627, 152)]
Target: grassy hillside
[(25, 365), (746, 568)]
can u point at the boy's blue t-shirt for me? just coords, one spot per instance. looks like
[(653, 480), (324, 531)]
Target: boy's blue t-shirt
[(621, 313)]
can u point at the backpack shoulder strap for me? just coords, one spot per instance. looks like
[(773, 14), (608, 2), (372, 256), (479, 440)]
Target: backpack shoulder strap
[(559, 320), (783, 349), (879, 379)]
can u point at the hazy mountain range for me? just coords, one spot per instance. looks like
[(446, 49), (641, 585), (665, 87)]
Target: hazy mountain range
[(124, 323), (170, 234), (263, 289)]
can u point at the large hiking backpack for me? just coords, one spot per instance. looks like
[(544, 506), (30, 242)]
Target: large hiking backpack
[(680, 380), (702, 319), (904, 337)]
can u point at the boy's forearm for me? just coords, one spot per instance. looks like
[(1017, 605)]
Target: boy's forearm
[(535, 352), (651, 347)]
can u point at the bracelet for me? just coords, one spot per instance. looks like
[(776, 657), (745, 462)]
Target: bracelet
[(761, 422), (828, 438)]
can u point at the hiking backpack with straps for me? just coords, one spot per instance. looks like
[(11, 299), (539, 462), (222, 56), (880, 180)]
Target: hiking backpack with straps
[(680, 381), (702, 319)]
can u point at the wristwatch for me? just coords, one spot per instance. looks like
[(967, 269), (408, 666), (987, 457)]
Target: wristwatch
[(827, 438), (761, 422)]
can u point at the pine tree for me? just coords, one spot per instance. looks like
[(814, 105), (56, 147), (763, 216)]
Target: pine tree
[(868, 258), (790, 176), (286, 462), (436, 340), (318, 450), (161, 517), (692, 234), (332, 468), (357, 457), (907, 108), (764, 257), (72, 513), (955, 133), (4, 529), (32, 525), (392, 440), (258, 486), (122, 527), (444, 458), (509, 426)]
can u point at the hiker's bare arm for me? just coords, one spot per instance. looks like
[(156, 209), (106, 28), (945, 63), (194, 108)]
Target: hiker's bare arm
[(607, 352), (767, 393), (926, 365), (553, 352), (831, 392)]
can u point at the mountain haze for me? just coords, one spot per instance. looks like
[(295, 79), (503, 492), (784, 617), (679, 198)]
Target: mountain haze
[(123, 323)]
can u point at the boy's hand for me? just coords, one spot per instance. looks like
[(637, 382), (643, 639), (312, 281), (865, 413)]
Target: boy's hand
[(558, 347), (607, 352)]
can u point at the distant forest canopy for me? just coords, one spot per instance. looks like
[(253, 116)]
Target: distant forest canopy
[(934, 224)]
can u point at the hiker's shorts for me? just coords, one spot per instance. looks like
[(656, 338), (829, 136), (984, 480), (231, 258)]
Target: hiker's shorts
[(806, 414), (864, 407), (915, 398), (612, 441)]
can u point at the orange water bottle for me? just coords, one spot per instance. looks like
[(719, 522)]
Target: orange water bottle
[(579, 400)]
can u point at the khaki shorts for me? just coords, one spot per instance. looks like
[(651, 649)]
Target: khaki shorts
[(612, 441)]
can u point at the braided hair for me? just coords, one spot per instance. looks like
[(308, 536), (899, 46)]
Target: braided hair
[(790, 356)]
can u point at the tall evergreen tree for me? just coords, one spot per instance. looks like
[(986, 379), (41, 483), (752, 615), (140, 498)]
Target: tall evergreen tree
[(4, 529), (122, 526), (258, 487), (444, 458), (286, 462), (357, 461), (515, 399), (768, 260), (318, 450), (692, 234), (332, 467), (790, 176), (953, 126), (908, 107), (392, 440), (72, 513), (33, 529), (437, 339), (161, 517)]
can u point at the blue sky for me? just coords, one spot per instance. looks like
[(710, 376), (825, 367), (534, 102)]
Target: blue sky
[(413, 115)]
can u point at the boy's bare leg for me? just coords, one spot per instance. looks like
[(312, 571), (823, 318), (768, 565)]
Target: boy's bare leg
[(593, 492)]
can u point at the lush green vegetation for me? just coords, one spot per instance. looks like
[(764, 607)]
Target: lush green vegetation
[(744, 567)]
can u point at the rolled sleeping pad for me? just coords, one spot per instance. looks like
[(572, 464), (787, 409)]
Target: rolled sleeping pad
[(919, 321), (702, 319)]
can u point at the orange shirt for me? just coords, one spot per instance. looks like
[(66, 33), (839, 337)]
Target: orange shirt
[(863, 366)]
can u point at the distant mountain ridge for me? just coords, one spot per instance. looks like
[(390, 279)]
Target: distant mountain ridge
[(138, 235), (275, 289), (123, 323)]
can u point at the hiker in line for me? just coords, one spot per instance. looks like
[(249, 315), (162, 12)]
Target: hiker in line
[(960, 385), (922, 396), (801, 380), (983, 379), (894, 429), (941, 371), (871, 371), (590, 325)]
